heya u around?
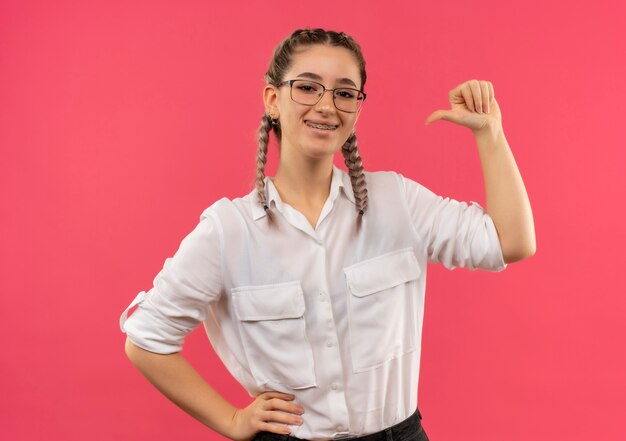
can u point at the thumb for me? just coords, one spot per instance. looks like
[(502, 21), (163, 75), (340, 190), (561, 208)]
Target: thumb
[(437, 115)]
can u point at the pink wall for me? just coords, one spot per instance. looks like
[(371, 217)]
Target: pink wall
[(121, 121)]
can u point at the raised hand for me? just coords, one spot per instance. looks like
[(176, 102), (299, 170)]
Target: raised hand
[(473, 105)]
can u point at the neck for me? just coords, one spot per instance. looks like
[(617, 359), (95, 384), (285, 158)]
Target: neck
[(304, 181)]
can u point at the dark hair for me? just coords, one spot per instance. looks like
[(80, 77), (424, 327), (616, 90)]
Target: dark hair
[(279, 64)]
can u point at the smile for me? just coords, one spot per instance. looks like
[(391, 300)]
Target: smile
[(320, 126)]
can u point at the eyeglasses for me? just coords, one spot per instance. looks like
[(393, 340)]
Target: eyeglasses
[(310, 93)]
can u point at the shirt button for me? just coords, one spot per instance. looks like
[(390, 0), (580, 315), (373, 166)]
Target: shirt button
[(339, 428), (322, 298), (329, 344), (333, 386)]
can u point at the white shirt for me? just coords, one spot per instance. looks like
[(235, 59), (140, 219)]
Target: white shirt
[(329, 315)]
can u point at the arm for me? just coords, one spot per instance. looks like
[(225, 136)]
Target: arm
[(507, 200), (453, 232), (473, 105), (177, 304), (175, 378)]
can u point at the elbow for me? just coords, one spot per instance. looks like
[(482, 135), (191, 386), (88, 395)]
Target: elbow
[(132, 350), (530, 249), (518, 253), (129, 347)]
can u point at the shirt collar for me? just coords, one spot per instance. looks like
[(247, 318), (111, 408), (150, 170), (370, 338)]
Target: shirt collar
[(340, 182)]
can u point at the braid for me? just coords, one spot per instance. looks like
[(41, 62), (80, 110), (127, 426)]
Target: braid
[(261, 159), (353, 161)]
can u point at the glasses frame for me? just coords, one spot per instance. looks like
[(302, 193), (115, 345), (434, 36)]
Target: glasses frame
[(324, 89)]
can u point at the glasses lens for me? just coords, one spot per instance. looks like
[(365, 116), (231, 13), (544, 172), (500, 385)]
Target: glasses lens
[(348, 100), (306, 92), (309, 93)]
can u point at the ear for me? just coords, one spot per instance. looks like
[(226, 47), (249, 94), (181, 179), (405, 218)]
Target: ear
[(270, 100)]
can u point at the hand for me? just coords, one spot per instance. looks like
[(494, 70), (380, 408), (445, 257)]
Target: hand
[(256, 417), (473, 104)]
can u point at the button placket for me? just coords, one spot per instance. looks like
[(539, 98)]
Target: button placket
[(334, 369)]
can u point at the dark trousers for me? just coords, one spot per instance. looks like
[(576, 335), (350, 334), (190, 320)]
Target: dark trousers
[(408, 430)]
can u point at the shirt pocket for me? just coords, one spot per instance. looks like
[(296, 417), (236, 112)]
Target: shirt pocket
[(272, 325), (382, 316)]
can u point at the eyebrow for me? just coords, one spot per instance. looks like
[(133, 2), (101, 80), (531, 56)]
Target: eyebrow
[(315, 76)]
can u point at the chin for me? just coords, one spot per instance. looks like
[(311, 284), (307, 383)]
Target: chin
[(319, 153)]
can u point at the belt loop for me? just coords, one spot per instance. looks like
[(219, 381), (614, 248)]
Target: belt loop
[(389, 435)]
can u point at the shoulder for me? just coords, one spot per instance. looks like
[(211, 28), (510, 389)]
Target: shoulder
[(385, 180), (227, 210)]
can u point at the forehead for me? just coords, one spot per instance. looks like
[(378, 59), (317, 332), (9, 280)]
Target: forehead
[(331, 63)]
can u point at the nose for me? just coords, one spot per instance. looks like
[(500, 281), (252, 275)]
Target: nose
[(325, 102)]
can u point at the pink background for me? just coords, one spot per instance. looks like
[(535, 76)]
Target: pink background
[(121, 121)]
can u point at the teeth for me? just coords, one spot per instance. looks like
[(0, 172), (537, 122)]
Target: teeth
[(320, 126)]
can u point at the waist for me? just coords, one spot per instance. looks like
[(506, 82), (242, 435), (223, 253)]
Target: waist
[(398, 432)]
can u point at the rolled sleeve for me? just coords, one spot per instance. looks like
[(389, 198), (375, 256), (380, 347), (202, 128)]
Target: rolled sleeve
[(181, 293), (455, 233)]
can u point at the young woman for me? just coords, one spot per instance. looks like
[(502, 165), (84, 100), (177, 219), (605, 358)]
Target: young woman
[(311, 287)]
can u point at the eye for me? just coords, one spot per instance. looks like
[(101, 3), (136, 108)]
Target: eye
[(346, 93), (307, 87)]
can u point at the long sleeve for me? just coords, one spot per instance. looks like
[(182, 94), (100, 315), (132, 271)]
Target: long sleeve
[(178, 301), (455, 234)]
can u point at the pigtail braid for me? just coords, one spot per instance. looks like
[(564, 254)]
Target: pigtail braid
[(352, 159), (261, 159)]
